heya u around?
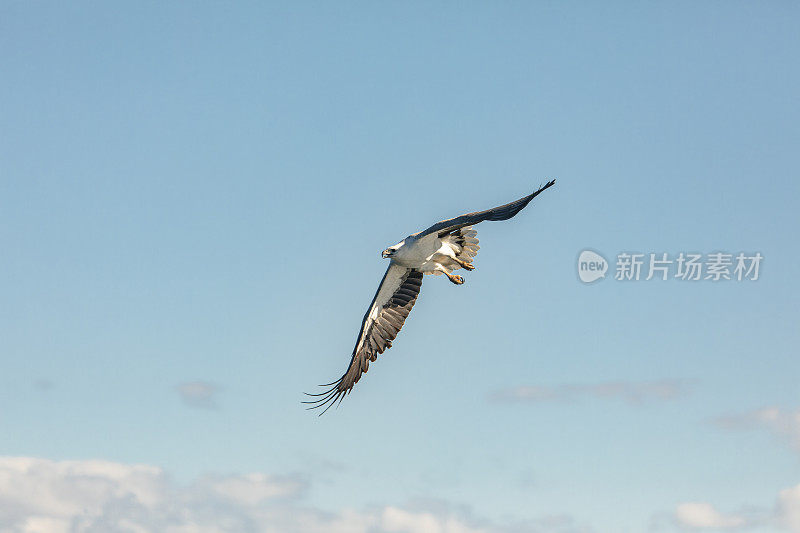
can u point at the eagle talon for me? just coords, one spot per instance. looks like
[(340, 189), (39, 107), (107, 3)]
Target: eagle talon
[(458, 280)]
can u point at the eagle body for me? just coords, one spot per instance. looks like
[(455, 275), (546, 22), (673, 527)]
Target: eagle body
[(433, 255), (442, 248), (413, 252)]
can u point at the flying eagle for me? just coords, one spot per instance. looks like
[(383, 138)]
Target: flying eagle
[(444, 247)]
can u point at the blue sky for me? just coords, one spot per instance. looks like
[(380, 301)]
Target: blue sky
[(193, 202)]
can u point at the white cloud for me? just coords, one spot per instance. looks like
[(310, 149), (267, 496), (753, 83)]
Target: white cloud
[(631, 392), (705, 516), (41, 488), (44, 496), (788, 509), (701, 516), (199, 394), (784, 423), (400, 520), (253, 489)]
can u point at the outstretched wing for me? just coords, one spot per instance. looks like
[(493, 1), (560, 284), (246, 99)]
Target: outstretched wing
[(504, 212), (390, 307)]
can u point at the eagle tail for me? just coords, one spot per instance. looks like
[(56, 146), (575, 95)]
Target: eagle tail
[(466, 243)]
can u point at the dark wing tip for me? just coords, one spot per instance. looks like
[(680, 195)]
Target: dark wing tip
[(504, 212), (543, 187), (326, 398)]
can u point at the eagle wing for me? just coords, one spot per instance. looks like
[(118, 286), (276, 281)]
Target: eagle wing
[(504, 212), (388, 311)]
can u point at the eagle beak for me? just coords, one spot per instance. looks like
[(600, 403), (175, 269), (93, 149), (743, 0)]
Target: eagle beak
[(386, 253)]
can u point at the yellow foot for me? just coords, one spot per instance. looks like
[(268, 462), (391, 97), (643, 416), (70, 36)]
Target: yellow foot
[(465, 265), (458, 280)]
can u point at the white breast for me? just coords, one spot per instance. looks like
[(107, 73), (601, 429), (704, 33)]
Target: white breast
[(415, 252)]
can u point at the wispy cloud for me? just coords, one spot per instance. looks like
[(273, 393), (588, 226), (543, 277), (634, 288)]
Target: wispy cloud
[(788, 509), (783, 515), (40, 495), (43, 384), (783, 423), (199, 394), (627, 391), (701, 515)]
